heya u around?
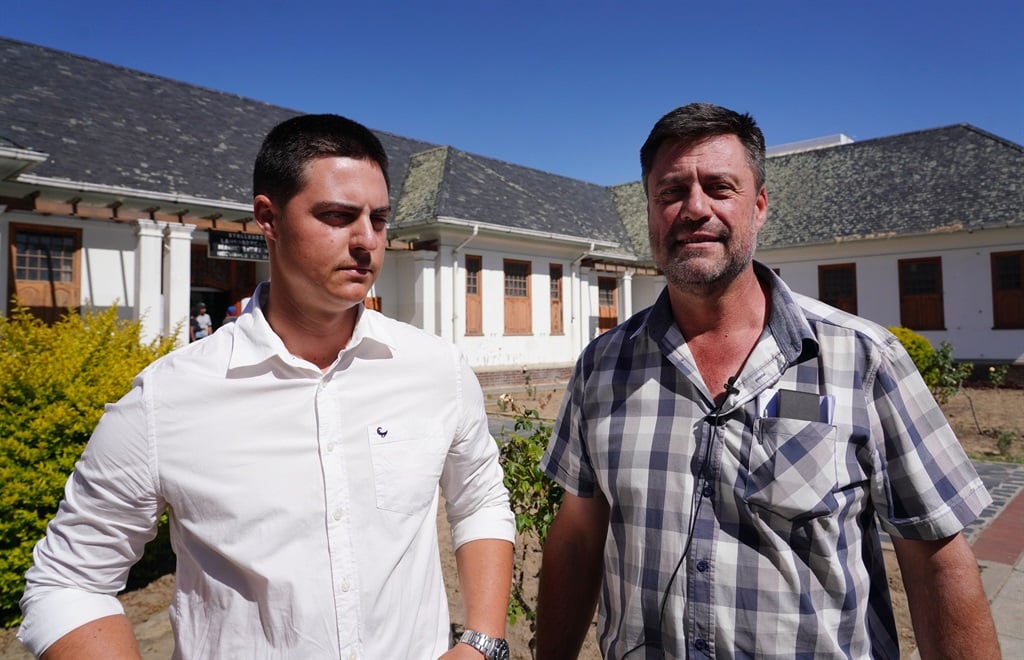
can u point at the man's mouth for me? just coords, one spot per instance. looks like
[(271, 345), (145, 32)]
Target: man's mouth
[(696, 240)]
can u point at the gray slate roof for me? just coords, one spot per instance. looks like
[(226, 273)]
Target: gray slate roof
[(114, 126), (108, 125), (450, 183), (935, 180), (925, 181)]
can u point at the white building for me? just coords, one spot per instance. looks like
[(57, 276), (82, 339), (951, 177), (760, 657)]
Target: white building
[(122, 188)]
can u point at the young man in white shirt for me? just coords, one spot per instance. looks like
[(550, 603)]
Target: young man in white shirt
[(308, 531)]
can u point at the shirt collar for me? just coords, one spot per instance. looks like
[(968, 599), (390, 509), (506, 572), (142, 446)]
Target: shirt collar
[(787, 324), (255, 341)]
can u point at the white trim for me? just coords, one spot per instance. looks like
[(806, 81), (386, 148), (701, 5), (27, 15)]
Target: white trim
[(502, 229), (23, 154), (100, 188)]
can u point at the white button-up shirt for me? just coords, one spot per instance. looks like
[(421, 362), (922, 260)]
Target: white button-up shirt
[(302, 501)]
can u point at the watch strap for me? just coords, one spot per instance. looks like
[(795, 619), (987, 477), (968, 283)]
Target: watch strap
[(481, 642)]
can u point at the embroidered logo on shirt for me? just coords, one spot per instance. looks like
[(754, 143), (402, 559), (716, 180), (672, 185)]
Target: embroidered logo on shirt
[(382, 432)]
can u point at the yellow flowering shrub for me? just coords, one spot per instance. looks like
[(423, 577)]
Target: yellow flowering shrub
[(54, 383)]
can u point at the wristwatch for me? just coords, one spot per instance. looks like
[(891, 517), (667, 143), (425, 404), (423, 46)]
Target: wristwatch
[(492, 648)]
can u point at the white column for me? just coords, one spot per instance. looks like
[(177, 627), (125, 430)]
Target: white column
[(148, 265), (627, 295), (576, 322), (445, 294), (425, 290), (177, 279)]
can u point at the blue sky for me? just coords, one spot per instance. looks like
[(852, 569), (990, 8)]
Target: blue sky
[(571, 87)]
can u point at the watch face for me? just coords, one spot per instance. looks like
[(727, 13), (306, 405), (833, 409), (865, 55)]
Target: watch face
[(500, 650)]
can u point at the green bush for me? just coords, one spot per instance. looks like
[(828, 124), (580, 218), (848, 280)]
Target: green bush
[(921, 352), (534, 499), (54, 383), (941, 373)]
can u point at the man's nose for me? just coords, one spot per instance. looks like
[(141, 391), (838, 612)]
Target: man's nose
[(696, 207), (364, 235)]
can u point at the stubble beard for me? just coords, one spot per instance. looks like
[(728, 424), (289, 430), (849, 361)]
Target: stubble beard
[(695, 274)]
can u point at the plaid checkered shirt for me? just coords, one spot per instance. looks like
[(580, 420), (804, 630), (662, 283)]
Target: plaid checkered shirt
[(737, 533)]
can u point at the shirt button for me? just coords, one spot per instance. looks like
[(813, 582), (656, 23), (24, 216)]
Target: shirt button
[(700, 645), (352, 655), (330, 448), (344, 586), (708, 491), (339, 514), (702, 566)]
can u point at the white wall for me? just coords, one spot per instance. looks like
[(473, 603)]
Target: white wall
[(966, 282), (423, 288), (646, 290), (107, 258)]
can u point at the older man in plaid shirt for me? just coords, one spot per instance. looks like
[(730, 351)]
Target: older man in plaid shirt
[(730, 454)]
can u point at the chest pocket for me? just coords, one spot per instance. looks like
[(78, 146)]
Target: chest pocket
[(407, 464), (792, 468)]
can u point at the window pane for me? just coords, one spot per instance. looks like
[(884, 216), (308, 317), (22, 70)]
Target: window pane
[(516, 275), (606, 292), (556, 282), (472, 275), (920, 277), (1008, 271), (44, 257)]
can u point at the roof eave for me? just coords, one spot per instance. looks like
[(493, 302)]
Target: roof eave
[(494, 229), (14, 161), (124, 192)]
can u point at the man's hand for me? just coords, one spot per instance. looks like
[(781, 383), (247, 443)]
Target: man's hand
[(462, 652)]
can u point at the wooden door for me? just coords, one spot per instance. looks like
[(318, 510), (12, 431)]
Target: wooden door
[(607, 303), (45, 270)]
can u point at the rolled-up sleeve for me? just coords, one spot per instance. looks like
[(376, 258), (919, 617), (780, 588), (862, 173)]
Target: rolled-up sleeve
[(924, 487), (109, 512), (472, 481)]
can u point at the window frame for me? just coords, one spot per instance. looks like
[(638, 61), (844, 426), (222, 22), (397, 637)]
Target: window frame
[(844, 300), (518, 308), (1007, 302), (473, 266), (917, 308), (57, 291), (556, 275)]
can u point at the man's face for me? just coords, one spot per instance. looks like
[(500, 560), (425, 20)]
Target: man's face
[(704, 210), (327, 242)]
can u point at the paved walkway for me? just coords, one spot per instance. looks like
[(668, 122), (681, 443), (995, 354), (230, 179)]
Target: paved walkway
[(998, 540)]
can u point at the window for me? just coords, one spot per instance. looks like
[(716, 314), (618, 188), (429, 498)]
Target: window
[(607, 303), (45, 268), (556, 299), (921, 294), (474, 307), (837, 286), (1008, 290), (518, 319)]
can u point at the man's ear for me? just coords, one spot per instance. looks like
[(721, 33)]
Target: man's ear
[(264, 212), (761, 207)]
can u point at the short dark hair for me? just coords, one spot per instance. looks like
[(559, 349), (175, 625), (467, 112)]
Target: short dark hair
[(292, 144), (699, 121)]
